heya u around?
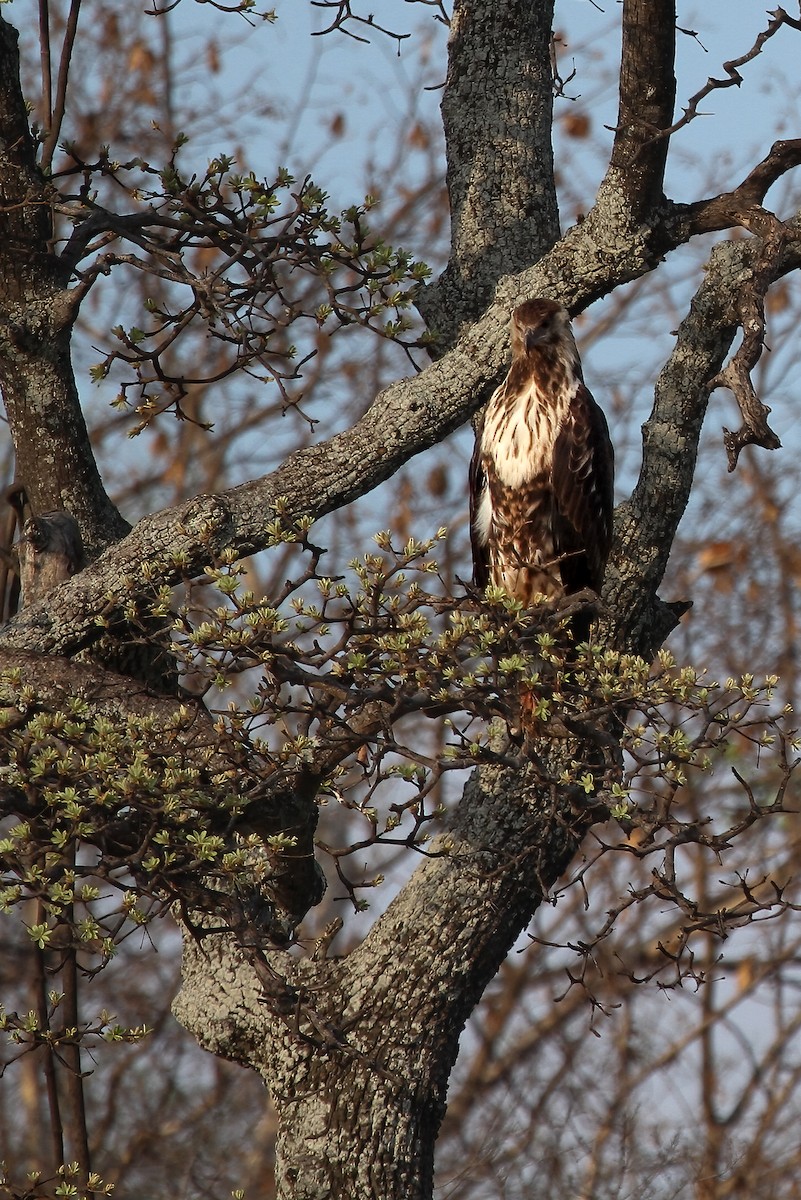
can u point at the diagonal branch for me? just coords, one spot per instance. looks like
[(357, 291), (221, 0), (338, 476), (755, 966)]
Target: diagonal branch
[(732, 69)]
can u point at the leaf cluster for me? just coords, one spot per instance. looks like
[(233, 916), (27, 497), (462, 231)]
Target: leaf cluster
[(331, 686)]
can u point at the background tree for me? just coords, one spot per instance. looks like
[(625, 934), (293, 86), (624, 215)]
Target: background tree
[(106, 786)]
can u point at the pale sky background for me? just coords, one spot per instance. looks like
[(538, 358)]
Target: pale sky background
[(313, 78)]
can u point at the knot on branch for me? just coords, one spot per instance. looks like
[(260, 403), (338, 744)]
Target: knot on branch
[(209, 519)]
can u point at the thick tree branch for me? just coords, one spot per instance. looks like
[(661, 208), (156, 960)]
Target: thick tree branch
[(497, 112), (55, 680), (750, 309), (647, 96), (738, 206)]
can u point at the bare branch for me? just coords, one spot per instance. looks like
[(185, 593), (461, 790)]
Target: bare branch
[(738, 206), (59, 108), (343, 14), (750, 308), (45, 58), (734, 78)]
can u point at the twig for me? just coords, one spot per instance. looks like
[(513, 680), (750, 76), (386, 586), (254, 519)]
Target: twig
[(344, 14), (51, 142), (731, 67)]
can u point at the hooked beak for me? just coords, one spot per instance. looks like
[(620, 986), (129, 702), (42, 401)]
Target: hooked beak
[(534, 337)]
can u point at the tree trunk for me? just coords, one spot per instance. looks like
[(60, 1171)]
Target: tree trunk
[(357, 1053), (497, 110), (54, 456)]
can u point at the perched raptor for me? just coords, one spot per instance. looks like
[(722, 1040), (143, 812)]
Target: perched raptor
[(542, 471)]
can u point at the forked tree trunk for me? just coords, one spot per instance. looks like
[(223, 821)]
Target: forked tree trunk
[(358, 1058)]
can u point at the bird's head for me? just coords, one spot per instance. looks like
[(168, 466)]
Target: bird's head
[(539, 323)]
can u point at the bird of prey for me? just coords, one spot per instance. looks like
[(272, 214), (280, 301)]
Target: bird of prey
[(543, 467)]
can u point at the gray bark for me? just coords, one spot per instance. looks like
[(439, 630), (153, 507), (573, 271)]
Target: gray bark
[(54, 455), (357, 1052), (497, 111)]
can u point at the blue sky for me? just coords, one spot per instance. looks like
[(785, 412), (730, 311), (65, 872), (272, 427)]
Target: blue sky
[(368, 82)]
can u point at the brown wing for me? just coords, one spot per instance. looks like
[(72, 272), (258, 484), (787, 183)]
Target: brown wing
[(583, 479), (477, 483)]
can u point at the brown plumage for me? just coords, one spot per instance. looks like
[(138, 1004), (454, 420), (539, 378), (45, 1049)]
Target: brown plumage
[(543, 467)]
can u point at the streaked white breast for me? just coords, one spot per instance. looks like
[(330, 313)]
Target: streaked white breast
[(520, 432)]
